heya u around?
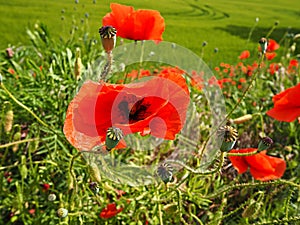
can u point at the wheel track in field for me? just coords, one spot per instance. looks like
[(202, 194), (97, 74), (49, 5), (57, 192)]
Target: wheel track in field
[(203, 11)]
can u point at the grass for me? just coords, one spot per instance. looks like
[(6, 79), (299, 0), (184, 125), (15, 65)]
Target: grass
[(223, 24), (39, 82)]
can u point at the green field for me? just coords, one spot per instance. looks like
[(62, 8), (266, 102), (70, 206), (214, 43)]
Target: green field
[(223, 24)]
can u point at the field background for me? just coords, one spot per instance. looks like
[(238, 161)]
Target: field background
[(223, 24)]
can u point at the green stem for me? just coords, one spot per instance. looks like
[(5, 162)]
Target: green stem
[(18, 142), (25, 107), (234, 107), (251, 185), (242, 154), (199, 171)]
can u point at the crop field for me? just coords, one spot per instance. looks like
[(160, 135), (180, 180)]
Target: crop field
[(223, 24)]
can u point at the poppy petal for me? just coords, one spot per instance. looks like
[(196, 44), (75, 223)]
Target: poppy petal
[(239, 162), (278, 166), (286, 105), (135, 25)]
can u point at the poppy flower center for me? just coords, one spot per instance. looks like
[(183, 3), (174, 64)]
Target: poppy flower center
[(133, 112)]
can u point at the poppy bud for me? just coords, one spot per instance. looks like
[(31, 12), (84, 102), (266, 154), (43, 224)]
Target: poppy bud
[(78, 64), (94, 172), (94, 187), (263, 44), (113, 136), (51, 197), (264, 143), (242, 119), (9, 53), (8, 121), (165, 172), (108, 37), (229, 136), (251, 211), (62, 212)]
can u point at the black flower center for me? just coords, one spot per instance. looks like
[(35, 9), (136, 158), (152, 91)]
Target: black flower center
[(136, 112)]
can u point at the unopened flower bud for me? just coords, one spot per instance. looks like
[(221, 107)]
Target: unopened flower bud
[(165, 172), (78, 64), (51, 197), (62, 212), (263, 44), (251, 211), (113, 136), (242, 119), (9, 53), (264, 143), (108, 37), (229, 136), (94, 172), (8, 121)]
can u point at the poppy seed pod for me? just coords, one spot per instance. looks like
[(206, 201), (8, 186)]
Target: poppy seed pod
[(263, 44), (229, 136), (108, 37), (165, 172), (264, 143), (113, 136)]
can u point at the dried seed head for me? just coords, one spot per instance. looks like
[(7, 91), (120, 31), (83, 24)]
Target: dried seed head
[(229, 136), (165, 172), (108, 37), (113, 136)]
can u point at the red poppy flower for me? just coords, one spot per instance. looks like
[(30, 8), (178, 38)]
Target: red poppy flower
[(141, 24), (272, 45), (273, 68), (270, 55), (110, 211), (157, 106), (244, 55), (286, 105), (293, 65), (262, 167)]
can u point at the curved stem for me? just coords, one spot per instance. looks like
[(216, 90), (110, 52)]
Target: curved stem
[(107, 67), (234, 107), (18, 142), (199, 171), (24, 106)]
